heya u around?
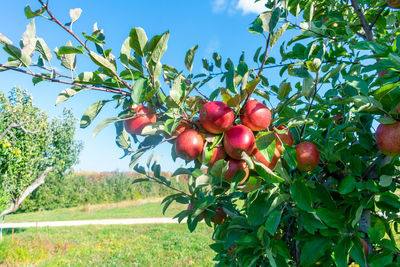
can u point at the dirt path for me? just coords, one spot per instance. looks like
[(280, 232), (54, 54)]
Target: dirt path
[(91, 222)]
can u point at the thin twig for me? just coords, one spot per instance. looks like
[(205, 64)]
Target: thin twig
[(104, 89), (53, 18), (377, 17), (164, 184)]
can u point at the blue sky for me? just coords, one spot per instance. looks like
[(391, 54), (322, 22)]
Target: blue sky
[(215, 25)]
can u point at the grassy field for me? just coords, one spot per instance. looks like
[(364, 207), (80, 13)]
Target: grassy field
[(126, 209), (135, 245)]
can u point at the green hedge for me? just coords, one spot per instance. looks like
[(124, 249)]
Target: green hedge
[(77, 189)]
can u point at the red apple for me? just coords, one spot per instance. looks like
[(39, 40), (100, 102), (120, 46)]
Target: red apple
[(365, 246), (270, 164), (218, 154), (182, 126), (388, 139), (239, 139), (381, 73), (396, 110), (394, 3), (216, 117), (219, 217), (143, 116), (285, 138), (233, 166), (307, 156), (338, 119), (189, 145), (255, 115)]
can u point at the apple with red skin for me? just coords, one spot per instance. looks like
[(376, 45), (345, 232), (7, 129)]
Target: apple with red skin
[(260, 157), (239, 139), (381, 73), (216, 117), (182, 126), (365, 246), (255, 115), (143, 116), (280, 139), (307, 156), (189, 145), (219, 217), (338, 119), (218, 154), (388, 139), (393, 3), (235, 165)]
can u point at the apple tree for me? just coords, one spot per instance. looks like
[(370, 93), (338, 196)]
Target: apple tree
[(31, 147), (303, 172)]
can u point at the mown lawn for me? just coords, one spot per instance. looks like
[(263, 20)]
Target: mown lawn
[(127, 209), (134, 245)]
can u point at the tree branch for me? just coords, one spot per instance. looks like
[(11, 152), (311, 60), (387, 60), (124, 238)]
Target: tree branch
[(104, 89), (310, 105), (368, 32), (17, 202), (377, 17)]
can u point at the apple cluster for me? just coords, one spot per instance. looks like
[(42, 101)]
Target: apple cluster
[(217, 118), (239, 140)]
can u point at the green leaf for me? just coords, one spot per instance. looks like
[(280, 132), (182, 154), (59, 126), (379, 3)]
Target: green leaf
[(342, 252), (88, 77), (217, 59), (331, 218), (271, 258), (385, 180), (104, 123), (257, 210), (4, 40), (347, 185), (177, 91), (284, 90), (15, 52), (308, 87), (290, 156), (266, 143), (266, 173), (139, 90), (135, 158), (64, 50), (122, 137), (314, 249), (395, 59), (278, 34), (301, 195), (138, 40), (274, 20), (75, 13), (189, 57), (157, 47), (357, 252), (67, 93), (43, 49), (91, 113), (125, 53), (30, 14), (273, 221), (103, 62)]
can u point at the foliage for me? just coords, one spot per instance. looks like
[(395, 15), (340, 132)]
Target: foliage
[(31, 144), (76, 189), (104, 245), (328, 68)]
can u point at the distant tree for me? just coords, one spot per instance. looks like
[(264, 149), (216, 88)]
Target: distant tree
[(31, 147)]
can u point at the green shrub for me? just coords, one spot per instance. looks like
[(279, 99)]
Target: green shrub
[(76, 189)]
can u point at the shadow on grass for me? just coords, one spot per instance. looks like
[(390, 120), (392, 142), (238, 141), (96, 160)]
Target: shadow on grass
[(9, 231)]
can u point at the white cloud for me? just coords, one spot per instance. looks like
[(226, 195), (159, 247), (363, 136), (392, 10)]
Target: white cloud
[(219, 5), (232, 6), (249, 6)]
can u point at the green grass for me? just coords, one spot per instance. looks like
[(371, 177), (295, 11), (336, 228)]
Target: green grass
[(126, 209), (134, 245)]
